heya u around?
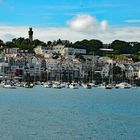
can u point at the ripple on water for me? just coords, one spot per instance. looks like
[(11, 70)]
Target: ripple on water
[(41, 114)]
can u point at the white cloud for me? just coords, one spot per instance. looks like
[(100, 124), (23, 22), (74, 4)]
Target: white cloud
[(128, 33), (15, 31), (133, 21), (44, 34), (104, 25), (87, 23), (81, 27)]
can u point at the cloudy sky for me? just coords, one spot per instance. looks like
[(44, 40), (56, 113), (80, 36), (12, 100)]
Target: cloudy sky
[(73, 20)]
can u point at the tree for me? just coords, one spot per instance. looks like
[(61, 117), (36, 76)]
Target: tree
[(1, 43), (136, 57), (121, 47), (95, 45), (135, 47), (37, 42), (49, 43), (116, 70), (10, 44), (90, 45), (59, 41), (18, 41)]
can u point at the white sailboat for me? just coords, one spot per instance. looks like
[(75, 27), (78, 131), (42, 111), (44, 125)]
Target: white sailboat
[(73, 86), (47, 85), (87, 86), (110, 85), (103, 85), (9, 86), (56, 85), (28, 85), (124, 85)]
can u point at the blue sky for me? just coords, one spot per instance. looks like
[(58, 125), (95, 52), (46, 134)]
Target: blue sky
[(57, 14)]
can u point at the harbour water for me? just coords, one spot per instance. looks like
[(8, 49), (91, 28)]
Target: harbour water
[(69, 114)]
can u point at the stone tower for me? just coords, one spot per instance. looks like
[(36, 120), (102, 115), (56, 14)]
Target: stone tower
[(30, 33)]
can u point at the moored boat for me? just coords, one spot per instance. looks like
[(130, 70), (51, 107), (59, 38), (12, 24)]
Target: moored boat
[(63, 85), (47, 85), (28, 85), (73, 86), (9, 86), (20, 84), (123, 85), (103, 85), (56, 85), (87, 86), (109, 86)]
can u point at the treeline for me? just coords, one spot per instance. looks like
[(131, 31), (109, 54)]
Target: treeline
[(122, 47), (26, 44), (92, 46), (119, 48), (22, 43)]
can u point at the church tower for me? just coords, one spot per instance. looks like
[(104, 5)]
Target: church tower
[(30, 33)]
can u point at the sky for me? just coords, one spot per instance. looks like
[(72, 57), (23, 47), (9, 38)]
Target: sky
[(73, 20)]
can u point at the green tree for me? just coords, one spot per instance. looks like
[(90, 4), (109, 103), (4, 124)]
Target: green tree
[(90, 45), (37, 42), (135, 47), (136, 57), (10, 44), (116, 70), (1, 43), (121, 47), (49, 44)]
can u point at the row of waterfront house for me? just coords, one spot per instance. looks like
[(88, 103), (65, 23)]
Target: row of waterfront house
[(61, 64)]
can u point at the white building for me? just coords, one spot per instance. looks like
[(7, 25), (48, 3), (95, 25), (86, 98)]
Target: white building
[(40, 50), (105, 71), (58, 48), (105, 60), (3, 67), (139, 74), (69, 52), (10, 52)]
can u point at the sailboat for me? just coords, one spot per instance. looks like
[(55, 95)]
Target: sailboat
[(5, 84), (132, 80), (56, 85), (48, 84), (28, 85), (73, 86), (87, 86), (103, 84), (123, 84), (9, 86), (110, 85)]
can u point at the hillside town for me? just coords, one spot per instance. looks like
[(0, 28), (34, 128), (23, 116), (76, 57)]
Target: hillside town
[(66, 64)]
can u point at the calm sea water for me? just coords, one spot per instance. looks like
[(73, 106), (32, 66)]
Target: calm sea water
[(68, 114)]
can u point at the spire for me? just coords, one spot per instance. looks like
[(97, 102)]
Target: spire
[(30, 33)]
